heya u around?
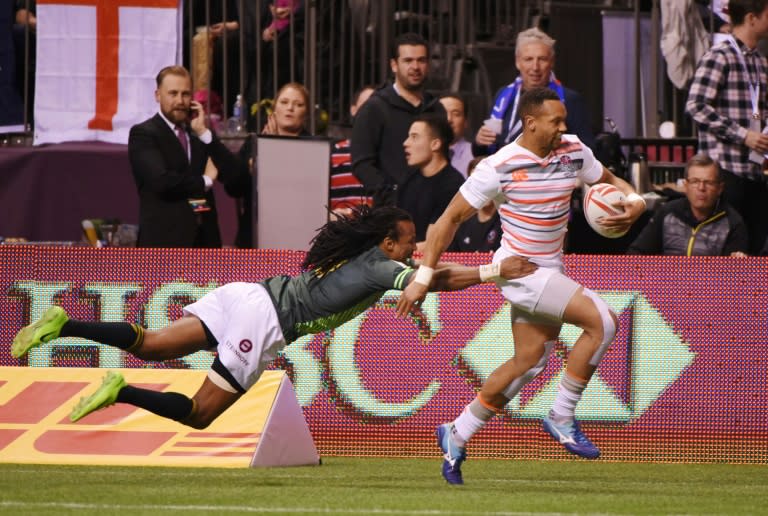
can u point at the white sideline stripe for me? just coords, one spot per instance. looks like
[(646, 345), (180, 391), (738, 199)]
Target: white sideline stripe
[(203, 472), (246, 508)]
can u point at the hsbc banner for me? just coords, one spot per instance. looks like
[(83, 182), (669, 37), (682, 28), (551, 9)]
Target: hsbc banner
[(686, 379)]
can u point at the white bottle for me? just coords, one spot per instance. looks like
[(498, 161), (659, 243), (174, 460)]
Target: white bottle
[(235, 124), (237, 109)]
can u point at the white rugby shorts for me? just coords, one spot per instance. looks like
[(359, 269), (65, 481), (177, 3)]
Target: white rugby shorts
[(242, 318), (541, 297)]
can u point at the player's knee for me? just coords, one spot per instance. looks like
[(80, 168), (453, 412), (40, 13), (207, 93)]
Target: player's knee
[(604, 323), (608, 324)]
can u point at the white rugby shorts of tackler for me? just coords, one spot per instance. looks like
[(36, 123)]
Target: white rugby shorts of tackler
[(242, 318)]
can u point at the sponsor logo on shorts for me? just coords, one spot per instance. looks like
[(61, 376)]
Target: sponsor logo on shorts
[(245, 345), (237, 354)]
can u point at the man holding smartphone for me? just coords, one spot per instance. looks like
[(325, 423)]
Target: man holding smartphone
[(175, 160)]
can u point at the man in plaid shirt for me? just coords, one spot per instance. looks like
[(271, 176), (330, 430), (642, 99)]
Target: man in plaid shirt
[(727, 102)]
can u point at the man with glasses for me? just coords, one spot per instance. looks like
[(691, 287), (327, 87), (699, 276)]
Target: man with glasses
[(699, 224)]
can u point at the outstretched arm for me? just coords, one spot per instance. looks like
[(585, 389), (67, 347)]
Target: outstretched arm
[(457, 277), (439, 238)]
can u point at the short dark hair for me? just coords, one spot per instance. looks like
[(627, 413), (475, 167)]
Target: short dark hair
[(439, 128), (458, 97), (533, 99), (738, 9), (171, 70), (703, 160), (408, 38)]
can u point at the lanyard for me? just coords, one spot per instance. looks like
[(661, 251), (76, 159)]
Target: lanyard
[(512, 125), (754, 87)]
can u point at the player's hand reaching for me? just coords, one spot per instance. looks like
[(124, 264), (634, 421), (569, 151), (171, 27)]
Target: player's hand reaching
[(516, 267), (413, 294)]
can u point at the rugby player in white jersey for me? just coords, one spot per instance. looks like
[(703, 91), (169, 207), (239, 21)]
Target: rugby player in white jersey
[(531, 180)]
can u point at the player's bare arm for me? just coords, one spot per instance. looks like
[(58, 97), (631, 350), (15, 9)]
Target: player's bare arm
[(438, 240), (633, 205), (457, 277)]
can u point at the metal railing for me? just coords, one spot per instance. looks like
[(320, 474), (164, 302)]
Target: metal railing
[(337, 46)]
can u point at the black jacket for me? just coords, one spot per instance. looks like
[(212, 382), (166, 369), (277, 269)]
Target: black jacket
[(380, 128), (166, 180), (426, 198), (673, 230)]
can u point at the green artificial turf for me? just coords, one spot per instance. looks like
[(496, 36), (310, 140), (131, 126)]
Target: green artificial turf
[(396, 486)]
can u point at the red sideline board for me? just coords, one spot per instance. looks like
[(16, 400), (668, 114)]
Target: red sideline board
[(685, 379)]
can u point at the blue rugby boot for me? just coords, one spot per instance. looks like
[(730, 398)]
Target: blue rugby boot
[(453, 454), (572, 438)]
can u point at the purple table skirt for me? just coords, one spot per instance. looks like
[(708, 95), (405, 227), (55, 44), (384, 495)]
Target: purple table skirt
[(46, 191)]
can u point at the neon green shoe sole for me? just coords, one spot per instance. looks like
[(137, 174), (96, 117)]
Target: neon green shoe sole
[(104, 396), (43, 330)]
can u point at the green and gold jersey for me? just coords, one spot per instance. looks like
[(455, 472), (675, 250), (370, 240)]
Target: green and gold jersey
[(313, 302)]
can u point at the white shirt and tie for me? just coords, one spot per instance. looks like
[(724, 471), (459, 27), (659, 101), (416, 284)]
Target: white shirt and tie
[(181, 133)]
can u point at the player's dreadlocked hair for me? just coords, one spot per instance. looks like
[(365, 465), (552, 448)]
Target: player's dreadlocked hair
[(348, 236)]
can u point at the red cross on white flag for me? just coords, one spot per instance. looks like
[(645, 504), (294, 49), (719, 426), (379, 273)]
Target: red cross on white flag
[(96, 65)]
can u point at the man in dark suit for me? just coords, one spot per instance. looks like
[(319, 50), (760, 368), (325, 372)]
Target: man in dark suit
[(175, 159)]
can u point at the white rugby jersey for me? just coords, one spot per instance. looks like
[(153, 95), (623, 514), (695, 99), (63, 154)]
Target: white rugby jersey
[(533, 194)]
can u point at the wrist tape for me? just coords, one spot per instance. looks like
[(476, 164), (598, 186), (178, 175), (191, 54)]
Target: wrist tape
[(424, 275), (490, 271)]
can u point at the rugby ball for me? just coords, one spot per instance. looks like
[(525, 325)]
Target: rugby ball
[(599, 202)]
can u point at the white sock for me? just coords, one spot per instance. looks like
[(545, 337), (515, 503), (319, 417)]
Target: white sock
[(472, 418), (568, 395)]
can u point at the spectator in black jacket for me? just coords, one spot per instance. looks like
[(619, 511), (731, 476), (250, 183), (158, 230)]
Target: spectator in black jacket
[(426, 194), (382, 124), (699, 224)]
